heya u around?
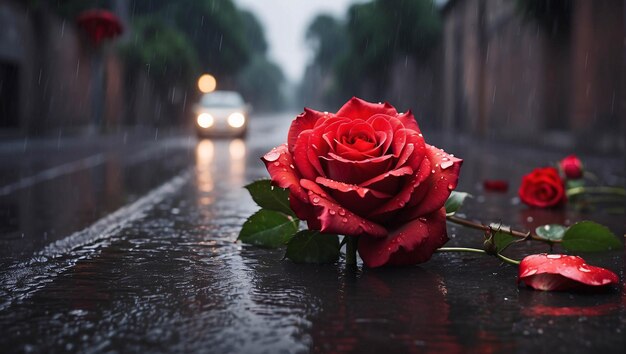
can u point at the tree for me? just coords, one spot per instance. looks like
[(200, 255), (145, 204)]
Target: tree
[(382, 30)]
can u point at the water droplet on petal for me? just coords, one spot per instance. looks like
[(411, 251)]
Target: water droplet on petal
[(277, 163), (332, 212), (344, 219), (316, 200), (342, 212), (446, 164), (272, 156), (432, 171), (583, 269)]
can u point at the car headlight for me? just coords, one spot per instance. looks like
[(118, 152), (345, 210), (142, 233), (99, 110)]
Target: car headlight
[(236, 120), (205, 120)]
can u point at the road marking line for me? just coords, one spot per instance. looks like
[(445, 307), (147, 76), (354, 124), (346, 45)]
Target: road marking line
[(57, 171), (89, 162)]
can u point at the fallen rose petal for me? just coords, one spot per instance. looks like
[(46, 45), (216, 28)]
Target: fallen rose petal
[(556, 272), (495, 185)]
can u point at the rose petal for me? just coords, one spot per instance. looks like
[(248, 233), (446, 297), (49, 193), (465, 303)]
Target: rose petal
[(432, 194), (352, 197), (362, 192), (384, 131), (355, 172), (308, 168), (555, 272), (333, 218), (399, 142), (305, 211), (409, 122), (411, 243), (388, 182), (358, 108), (279, 164), (306, 120), (401, 199), (413, 152)]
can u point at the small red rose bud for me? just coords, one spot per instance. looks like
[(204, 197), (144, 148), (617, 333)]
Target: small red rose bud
[(572, 167), (557, 272)]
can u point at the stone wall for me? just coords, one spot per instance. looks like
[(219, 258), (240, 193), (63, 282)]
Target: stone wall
[(507, 77)]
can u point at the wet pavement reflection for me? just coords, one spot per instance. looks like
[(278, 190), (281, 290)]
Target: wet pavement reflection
[(169, 276)]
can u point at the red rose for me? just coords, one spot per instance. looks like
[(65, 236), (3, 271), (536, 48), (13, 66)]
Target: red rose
[(559, 272), (542, 188), (572, 167), (366, 171)]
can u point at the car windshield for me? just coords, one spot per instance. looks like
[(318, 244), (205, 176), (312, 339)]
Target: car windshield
[(222, 99)]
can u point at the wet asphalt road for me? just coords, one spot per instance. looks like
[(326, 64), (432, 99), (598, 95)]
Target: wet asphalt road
[(125, 243)]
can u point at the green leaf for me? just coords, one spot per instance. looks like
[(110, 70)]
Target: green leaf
[(270, 197), (588, 236), (267, 228), (454, 202), (551, 232), (310, 246), (503, 240)]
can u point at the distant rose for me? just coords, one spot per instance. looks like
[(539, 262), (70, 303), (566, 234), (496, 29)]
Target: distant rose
[(367, 171), (542, 188), (556, 272), (572, 167)]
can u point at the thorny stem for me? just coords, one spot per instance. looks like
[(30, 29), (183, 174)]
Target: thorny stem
[(476, 250), (351, 248), (479, 226)]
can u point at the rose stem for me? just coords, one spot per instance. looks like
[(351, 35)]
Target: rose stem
[(507, 230), (351, 247), (600, 190), (476, 250)]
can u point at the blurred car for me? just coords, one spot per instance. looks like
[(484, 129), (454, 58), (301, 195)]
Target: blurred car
[(221, 113)]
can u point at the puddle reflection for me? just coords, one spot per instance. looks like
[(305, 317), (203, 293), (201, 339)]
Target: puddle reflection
[(223, 159), (547, 304)]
